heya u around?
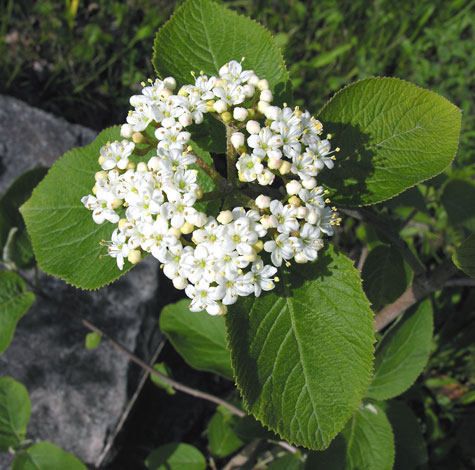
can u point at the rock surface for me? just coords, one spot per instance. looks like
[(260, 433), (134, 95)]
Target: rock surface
[(77, 395)]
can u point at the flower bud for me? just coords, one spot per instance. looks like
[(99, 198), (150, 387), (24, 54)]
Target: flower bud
[(153, 164), (285, 167), (134, 256), (201, 219), (187, 228), (168, 122), (142, 166), (248, 90), (295, 201), (134, 100), (300, 258), (182, 92), (199, 193), (251, 257), (253, 80), (179, 283), (262, 202), (253, 127), (237, 139), (94, 189), (272, 112), (268, 221), (185, 119), (165, 94), (274, 163), (225, 217), (100, 175), (309, 183), (219, 82), (122, 222), (240, 114), (263, 84), (210, 106), (220, 106), (293, 187), (130, 166), (301, 212), (126, 130), (258, 246), (262, 106), (223, 310), (169, 83), (174, 232), (226, 117), (101, 160), (266, 95), (312, 217), (116, 203), (137, 137)]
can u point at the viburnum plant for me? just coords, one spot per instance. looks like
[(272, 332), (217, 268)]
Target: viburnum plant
[(234, 191)]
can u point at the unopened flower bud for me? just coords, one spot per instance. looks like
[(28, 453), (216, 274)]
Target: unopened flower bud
[(268, 221), (100, 175), (253, 80), (220, 106), (309, 183), (223, 310), (116, 203), (240, 114), (272, 112), (258, 246), (210, 106), (126, 130), (253, 127), (285, 167), (142, 166), (134, 100), (174, 232), (153, 164), (165, 94), (300, 258), (122, 222), (219, 82), (295, 201), (226, 117), (134, 256), (130, 166), (225, 217), (262, 202), (94, 189), (187, 228), (262, 106), (248, 90), (301, 212), (137, 137), (199, 193), (263, 84), (293, 187), (179, 283), (182, 92), (266, 95), (312, 217), (251, 113), (274, 163), (252, 256), (101, 160), (201, 219), (185, 119), (237, 139), (169, 83)]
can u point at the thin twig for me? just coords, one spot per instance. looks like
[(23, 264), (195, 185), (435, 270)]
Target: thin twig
[(363, 256), (207, 169), (464, 282), (230, 156)]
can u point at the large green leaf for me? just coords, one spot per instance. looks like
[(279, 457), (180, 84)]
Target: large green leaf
[(464, 256), (302, 353), (15, 301), (402, 353), (15, 409), (392, 135), (411, 451), (176, 456), (46, 456), (458, 199), (20, 250), (384, 276), (221, 436), (200, 338), (367, 442), (287, 462)]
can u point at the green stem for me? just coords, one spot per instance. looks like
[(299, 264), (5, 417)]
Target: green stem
[(142, 152), (208, 170), (231, 157)]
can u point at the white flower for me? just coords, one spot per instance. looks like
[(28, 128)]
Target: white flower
[(117, 248), (116, 154), (261, 276), (311, 242), (282, 248), (172, 137), (249, 167), (203, 297), (266, 143), (285, 216)]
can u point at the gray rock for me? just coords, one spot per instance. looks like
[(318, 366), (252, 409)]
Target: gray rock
[(77, 395)]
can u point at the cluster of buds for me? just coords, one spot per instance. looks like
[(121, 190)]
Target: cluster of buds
[(274, 155)]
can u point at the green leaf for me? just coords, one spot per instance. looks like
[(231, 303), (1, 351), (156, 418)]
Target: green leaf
[(287, 462), (64, 236), (384, 276), (464, 256), (367, 442), (176, 456), (458, 200), (15, 409), (302, 354), (248, 428), (21, 252), (200, 338), (163, 369), (15, 301), (92, 340), (222, 438), (411, 451), (202, 36), (392, 135), (402, 353), (46, 456)]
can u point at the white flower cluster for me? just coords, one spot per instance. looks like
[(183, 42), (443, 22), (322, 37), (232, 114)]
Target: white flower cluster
[(215, 260)]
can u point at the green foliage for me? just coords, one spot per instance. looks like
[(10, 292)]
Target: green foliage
[(222, 438), (287, 462), (294, 348), (15, 301), (389, 134), (402, 353), (19, 253), (164, 370), (458, 200), (15, 409), (176, 456), (384, 276), (199, 338), (464, 256), (92, 340), (46, 456)]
